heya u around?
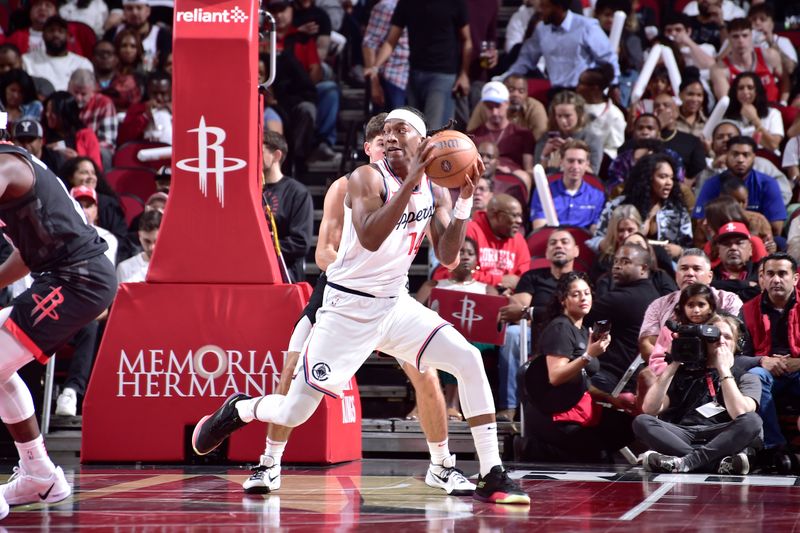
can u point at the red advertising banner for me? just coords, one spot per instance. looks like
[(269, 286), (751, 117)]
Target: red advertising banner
[(473, 315), (214, 230), (214, 316)]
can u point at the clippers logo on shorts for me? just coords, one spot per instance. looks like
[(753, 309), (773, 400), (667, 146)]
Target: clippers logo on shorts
[(467, 315), (321, 371), (203, 16), (211, 159), (46, 307)]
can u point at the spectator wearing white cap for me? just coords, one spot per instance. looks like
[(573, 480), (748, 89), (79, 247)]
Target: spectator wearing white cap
[(156, 39), (515, 143), (523, 110)]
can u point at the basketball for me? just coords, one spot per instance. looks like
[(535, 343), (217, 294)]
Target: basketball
[(453, 155)]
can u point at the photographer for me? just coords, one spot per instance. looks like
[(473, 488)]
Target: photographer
[(706, 411), (560, 411)]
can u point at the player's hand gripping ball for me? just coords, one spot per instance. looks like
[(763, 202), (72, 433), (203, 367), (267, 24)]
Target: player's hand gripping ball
[(453, 157)]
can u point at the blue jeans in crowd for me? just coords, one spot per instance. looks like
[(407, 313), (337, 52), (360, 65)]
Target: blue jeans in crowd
[(770, 388), (393, 96), (432, 93), (327, 110), (507, 367)]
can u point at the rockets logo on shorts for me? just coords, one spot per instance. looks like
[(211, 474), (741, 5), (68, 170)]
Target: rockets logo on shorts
[(47, 305), (321, 371)]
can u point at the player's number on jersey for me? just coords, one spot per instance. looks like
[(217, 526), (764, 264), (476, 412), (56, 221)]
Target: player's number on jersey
[(416, 242)]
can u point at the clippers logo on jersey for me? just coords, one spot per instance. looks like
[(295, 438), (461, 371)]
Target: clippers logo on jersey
[(206, 151), (409, 218), (321, 371), (46, 307), (467, 315)]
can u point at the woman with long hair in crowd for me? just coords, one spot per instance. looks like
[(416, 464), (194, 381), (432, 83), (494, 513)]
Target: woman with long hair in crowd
[(84, 171), (568, 119), (653, 190), (64, 130), (19, 98), (625, 220), (692, 111), (750, 111), (566, 423)]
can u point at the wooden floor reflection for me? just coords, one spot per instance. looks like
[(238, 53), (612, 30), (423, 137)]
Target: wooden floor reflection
[(392, 496)]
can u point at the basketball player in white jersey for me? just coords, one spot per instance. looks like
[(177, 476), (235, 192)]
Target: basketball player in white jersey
[(388, 210), (442, 472)]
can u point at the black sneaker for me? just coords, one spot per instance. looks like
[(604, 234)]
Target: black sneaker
[(497, 487), (655, 462), (734, 465), (215, 428)]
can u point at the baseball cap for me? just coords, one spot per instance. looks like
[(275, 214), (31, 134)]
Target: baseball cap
[(82, 191), (494, 91), (28, 128), (733, 228)]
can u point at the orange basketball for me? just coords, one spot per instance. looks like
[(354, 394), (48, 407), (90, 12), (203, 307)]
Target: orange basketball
[(454, 153)]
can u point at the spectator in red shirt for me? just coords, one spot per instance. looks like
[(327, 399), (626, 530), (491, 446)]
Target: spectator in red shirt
[(30, 39), (503, 255), (150, 120)]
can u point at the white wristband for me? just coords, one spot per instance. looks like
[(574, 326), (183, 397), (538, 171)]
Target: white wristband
[(463, 208)]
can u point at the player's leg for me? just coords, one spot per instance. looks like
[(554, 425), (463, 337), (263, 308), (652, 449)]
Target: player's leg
[(442, 472), (36, 479), (328, 364), (419, 336), (266, 477)]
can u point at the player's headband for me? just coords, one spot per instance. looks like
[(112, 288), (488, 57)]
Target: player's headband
[(411, 118)]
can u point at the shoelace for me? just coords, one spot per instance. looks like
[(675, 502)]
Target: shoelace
[(259, 471), (453, 471)]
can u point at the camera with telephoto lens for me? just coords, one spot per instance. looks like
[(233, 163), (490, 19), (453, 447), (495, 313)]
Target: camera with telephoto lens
[(691, 347)]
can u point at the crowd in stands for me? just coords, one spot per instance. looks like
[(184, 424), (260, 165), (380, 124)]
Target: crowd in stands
[(673, 160)]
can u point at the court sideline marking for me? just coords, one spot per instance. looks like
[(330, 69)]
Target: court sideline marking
[(648, 502)]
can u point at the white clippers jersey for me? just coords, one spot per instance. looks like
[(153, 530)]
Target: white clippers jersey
[(384, 272)]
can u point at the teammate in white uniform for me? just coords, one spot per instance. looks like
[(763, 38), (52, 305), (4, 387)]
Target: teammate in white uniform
[(442, 473), (387, 212)]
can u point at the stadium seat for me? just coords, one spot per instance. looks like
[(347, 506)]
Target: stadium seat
[(134, 185), (792, 35), (84, 37), (537, 88), (126, 155), (588, 178), (513, 186)]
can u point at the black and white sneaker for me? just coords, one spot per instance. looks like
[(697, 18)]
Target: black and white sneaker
[(653, 461), (497, 487), (215, 428), (266, 477), (449, 478), (734, 465)]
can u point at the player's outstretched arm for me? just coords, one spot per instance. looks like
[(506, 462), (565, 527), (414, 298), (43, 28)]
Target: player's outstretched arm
[(373, 219), (330, 228), (447, 232)]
